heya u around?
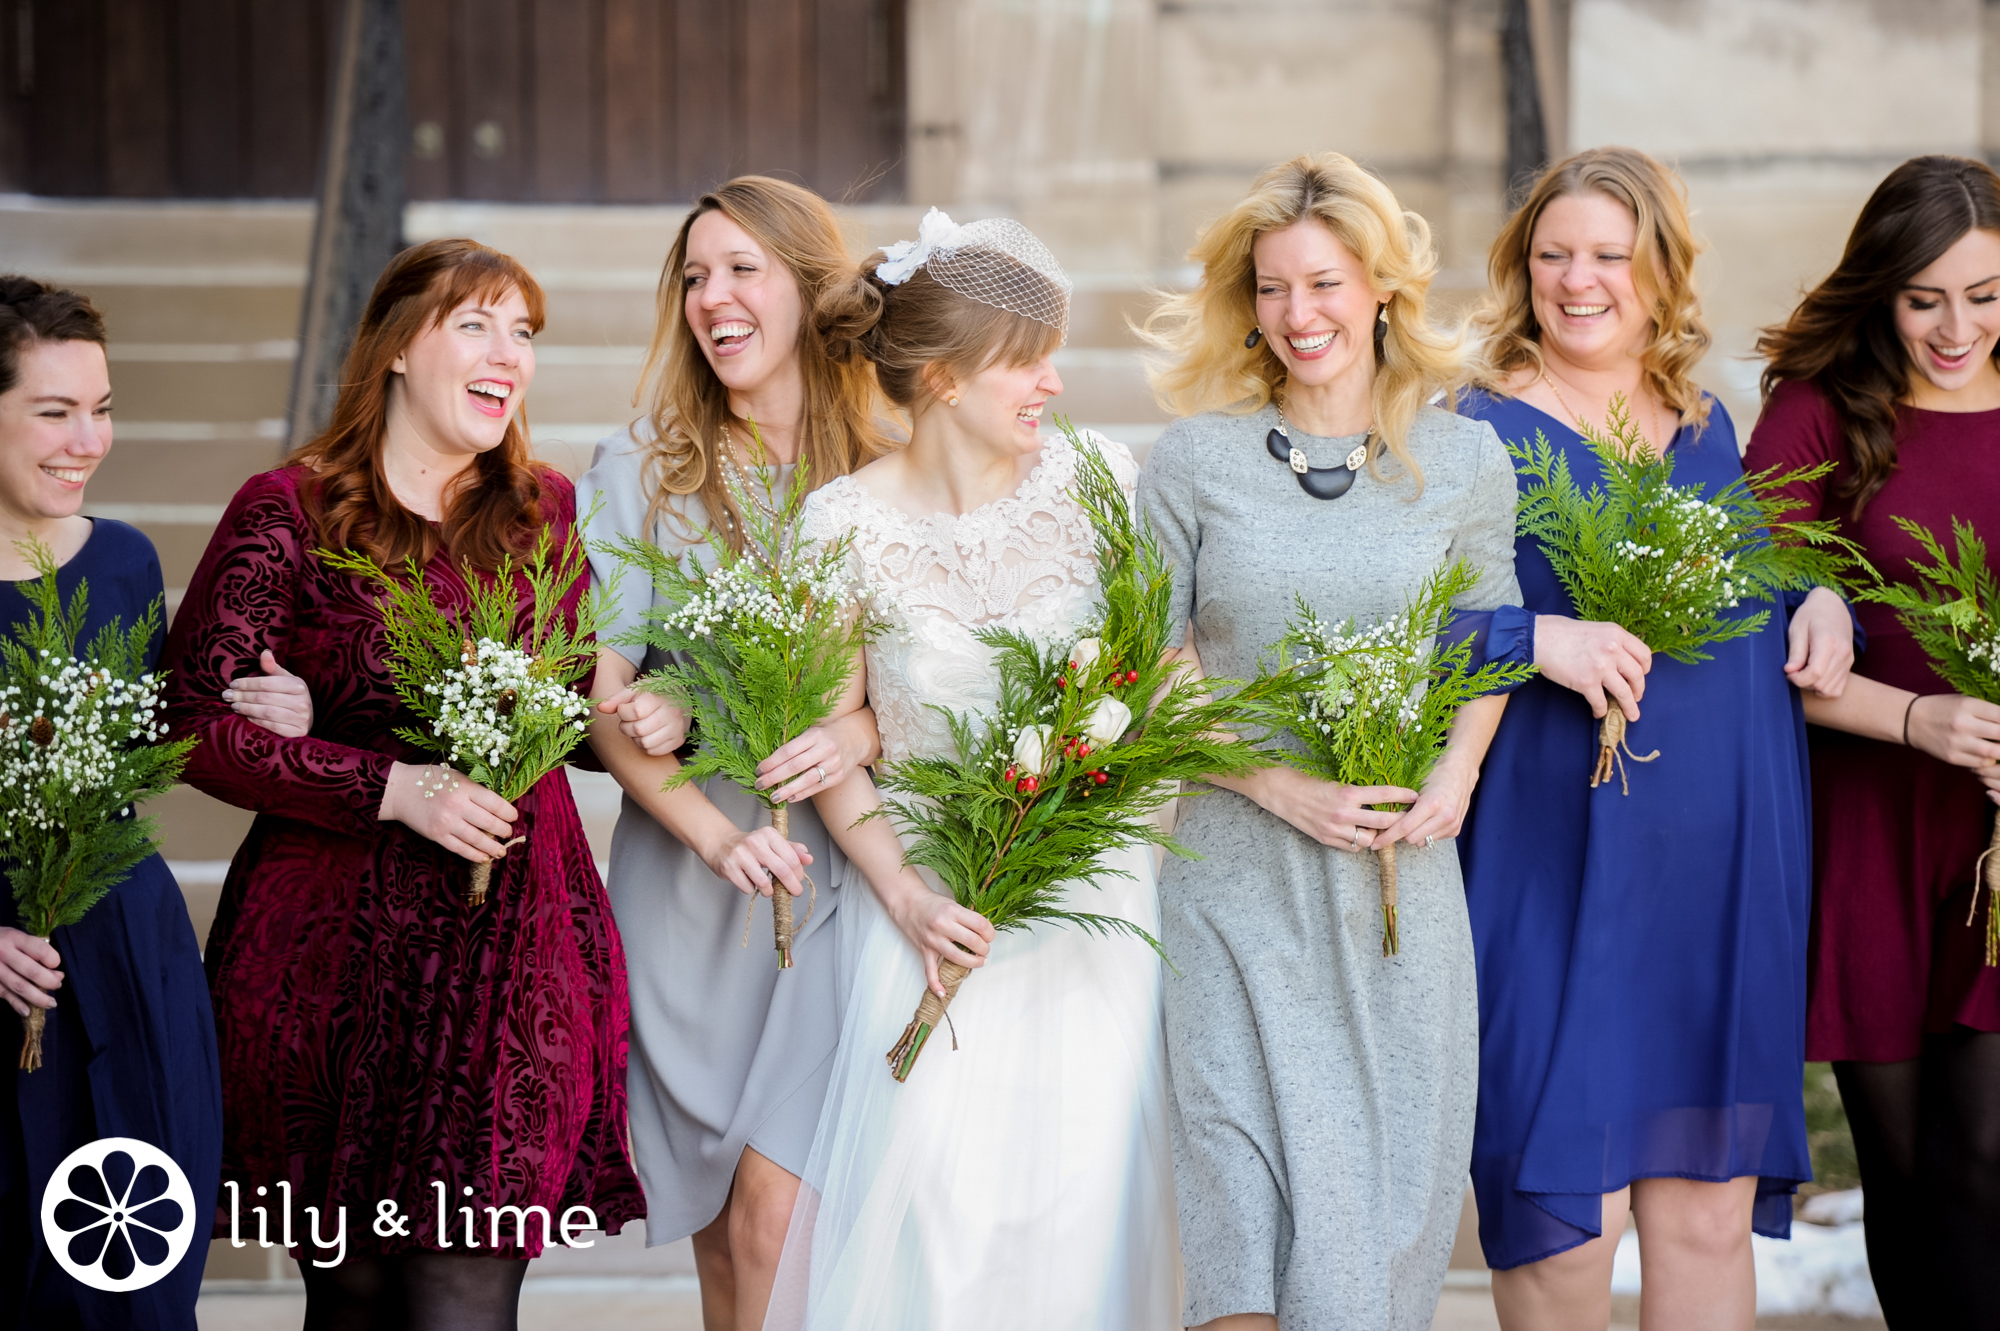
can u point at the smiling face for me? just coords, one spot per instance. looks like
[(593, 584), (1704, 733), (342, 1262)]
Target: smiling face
[(1581, 281), (743, 306), (55, 427), (460, 382), (1948, 317), (1001, 406), (1315, 304)]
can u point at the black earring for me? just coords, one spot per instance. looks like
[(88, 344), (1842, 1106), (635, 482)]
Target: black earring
[(1256, 336)]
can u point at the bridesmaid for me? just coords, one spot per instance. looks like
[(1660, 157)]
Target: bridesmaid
[(1886, 369), (129, 1050), (731, 1056), (1322, 1094), (1641, 957), (380, 1038)]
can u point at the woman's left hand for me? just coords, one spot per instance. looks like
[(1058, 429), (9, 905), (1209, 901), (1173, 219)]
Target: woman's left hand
[(1440, 807), (808, 765), (277, 700), (1821, 642)]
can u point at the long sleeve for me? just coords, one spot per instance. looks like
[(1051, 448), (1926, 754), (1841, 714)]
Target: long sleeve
[(243, 598), (613, 493), (1167, 503), (1500, 630)]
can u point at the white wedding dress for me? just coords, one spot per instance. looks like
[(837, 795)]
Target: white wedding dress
[(1025, 1178)]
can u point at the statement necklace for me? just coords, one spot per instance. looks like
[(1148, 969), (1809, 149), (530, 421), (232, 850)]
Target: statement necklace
[(1319, 482), (1654, 411)]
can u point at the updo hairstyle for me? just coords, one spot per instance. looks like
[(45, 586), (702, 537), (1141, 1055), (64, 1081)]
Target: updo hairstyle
[(33, 312), (926, 323)]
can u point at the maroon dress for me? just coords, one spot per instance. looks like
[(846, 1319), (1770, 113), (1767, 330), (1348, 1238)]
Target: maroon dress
[(1895, 831), (378, 1036)]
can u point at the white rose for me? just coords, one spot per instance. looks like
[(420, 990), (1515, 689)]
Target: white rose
[(1084, 655), (1107, 722), (1031, 748)]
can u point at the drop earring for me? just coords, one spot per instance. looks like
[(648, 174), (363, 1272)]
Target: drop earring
[(1382, 313), (1256, 336)]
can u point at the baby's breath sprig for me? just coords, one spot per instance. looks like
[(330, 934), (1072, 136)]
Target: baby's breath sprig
[(1671, 565), (1951, 607), (1372, 705), (763, 645), (82, 740), (494, 685)]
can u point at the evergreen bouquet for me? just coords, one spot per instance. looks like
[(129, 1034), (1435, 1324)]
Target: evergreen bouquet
[(1664, 561), (500, 706), (764, 643), (1089, 738), (1373, 706), (81, 742), (1952, 609)]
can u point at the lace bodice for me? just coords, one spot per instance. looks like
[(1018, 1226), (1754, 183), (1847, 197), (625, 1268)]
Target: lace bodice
[(1026, 562)]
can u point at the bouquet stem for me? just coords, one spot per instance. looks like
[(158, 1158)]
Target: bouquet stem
[(482, 874), (781, 896), (929, 1013), (1613, 749), (1986, 874), (1392, 941), (33, 1025)]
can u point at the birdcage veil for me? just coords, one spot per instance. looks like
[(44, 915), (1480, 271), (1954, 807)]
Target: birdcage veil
[(995, 261)]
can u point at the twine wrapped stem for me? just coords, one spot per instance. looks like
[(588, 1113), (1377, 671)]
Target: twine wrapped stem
[(482, 874), (1392, 942), (781, 896), (1613, 749), (929, 1013), (1986, 874), (32, 1025)]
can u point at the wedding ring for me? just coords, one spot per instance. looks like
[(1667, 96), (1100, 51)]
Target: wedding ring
[(1427, 842), (822, 774), (1356, 843)]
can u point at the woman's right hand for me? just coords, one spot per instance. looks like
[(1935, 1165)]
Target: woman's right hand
[(1330, 813), (937, 927), (1594, 659), (655, 724), (753, 861), (449, 808), (1953, 728), (28, 971)]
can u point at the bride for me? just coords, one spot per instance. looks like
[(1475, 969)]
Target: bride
[(1023, 1180)]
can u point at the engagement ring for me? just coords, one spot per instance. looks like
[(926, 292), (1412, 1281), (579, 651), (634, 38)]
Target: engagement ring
[(822, 774)]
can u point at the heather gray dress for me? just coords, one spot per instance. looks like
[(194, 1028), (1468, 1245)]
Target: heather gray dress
[(1322, 1094), (727, 1050)]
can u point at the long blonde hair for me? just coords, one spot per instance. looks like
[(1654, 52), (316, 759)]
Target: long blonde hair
[(689, 406), (1204, 329), (1662, 272)]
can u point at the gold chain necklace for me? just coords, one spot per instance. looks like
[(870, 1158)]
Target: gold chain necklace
[(1653, 411)]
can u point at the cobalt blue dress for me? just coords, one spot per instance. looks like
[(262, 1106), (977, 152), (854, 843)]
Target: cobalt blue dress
[(129, 1050), (1641, 958)]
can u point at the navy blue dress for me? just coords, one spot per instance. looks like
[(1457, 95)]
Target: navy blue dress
[(129, 1050), (1642, 958)]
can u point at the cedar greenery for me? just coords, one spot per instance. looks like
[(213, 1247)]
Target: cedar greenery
[(498, 704), (79, 747), (1952, 610), (1374, 706), (1089, 738), (763, 644), (1664, 561)]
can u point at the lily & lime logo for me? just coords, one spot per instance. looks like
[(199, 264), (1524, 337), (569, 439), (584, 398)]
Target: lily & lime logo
[(118, 1214)]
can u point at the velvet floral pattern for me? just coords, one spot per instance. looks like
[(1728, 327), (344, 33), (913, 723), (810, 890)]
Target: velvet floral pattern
[(378, 1036)]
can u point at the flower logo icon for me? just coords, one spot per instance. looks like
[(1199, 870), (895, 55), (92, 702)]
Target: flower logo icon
[(118, 1214)]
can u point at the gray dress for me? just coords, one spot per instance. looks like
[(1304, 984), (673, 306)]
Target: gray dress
[(1322, 1094), (727, 1050)]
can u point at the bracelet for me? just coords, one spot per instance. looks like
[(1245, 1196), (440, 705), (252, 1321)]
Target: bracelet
[(1907, 709)]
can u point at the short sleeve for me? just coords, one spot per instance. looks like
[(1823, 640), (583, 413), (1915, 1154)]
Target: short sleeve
[(1166, 496), (613, 495)]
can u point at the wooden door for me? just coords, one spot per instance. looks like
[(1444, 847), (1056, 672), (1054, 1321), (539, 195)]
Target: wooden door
[(585, 101)]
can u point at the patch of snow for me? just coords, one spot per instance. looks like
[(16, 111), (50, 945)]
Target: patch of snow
[(1821, 1269)]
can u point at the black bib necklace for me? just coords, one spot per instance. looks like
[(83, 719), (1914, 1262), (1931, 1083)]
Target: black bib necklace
[(1319, 482)]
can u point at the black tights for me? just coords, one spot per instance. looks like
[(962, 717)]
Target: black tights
[(1927, 1136), (418, 1291)]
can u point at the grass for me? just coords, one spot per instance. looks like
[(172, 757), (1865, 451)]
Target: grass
[(1827, 1135)]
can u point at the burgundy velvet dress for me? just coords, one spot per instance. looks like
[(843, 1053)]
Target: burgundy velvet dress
[(378, 1036), (1895, 831)]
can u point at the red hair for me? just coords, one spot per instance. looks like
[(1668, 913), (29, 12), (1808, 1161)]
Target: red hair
[(493, 508)]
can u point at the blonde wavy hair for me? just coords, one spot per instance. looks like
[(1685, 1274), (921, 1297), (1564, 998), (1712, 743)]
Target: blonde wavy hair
[(1508, 333), (689, 406), (1203, 329)]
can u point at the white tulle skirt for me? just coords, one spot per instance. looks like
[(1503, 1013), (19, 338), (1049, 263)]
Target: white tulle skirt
[(1024, 1179)]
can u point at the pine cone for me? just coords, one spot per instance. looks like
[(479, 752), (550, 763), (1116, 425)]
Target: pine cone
[(505, 706), (43, 731)]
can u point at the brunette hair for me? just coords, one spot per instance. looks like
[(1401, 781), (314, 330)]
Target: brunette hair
[(690, 406), (1662, 273), (1842, 337), (926, 323), (1203, 329), (32, 312), (493, 508)]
